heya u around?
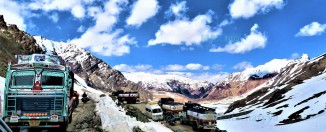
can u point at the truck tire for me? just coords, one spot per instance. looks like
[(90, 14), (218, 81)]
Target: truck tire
[(63, 127), (182, 121), (70, 118), (194, 126)]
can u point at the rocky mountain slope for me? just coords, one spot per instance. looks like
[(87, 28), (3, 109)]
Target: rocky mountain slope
[(293, 99), (94, 71), (12, 42), (97, 73), (239, 83)]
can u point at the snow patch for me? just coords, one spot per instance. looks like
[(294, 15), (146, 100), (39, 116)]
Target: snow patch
[(2, 88), (114, 117), (261, 119)]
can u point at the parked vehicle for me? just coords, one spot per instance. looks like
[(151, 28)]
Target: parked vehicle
[(130, 97), (38, 93), (154, 111), (165, 100), (199, 117), (171, 110)]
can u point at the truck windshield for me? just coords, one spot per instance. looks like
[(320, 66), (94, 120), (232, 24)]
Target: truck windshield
[(157, 110), (52, 81), (23, 80)]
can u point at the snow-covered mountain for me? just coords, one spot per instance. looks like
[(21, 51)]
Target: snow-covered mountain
[(94, 71), (239, 83), (293, 100), (173, 83), (97, 73), (161, 81)]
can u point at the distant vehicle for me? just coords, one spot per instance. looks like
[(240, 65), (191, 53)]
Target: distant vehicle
[(154, 111), (199, 117), (165, 100), (130, 97), (171, 110), (38, 93)]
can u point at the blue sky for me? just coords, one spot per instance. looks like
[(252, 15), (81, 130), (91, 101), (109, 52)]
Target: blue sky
[(203, 40)]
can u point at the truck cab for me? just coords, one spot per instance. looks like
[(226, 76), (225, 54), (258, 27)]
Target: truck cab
[(37, 93), (154, 111)]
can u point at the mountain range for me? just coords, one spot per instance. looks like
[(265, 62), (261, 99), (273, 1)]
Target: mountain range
[(101, 75)]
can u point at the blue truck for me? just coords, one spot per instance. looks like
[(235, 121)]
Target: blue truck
[(38, 93)]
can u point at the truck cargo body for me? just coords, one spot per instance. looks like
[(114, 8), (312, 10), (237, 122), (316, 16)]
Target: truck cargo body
[(198, 116), (129, 97)]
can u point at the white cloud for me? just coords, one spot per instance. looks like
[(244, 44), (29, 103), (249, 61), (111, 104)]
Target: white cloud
[(312, 29), (12, 13), (78, 11), (81, 29), (295, 56), (93, 11), (190, 66), (225, 22), (243, 65), (249, 8), (177, 9), (101, 38), (74, 6), (194, 66), (54, 17), (175, 67), (253, 41), (183, 31), (136, 68), (142, 10)]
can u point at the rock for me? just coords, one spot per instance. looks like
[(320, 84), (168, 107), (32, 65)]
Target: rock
[(84, 126), (137, 129), (3, 24)]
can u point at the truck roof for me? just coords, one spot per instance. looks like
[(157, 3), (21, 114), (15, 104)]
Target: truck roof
[(154, 106), (152, 103), (201, 109), (38, 61), (172, 103)]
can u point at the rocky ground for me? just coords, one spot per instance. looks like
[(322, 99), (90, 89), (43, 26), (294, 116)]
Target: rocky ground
[(84, 119)]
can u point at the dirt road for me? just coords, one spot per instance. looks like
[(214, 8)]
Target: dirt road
[(177, 127), (84, 119)]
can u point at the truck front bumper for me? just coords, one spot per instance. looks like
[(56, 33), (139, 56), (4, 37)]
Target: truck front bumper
[(35, 123)]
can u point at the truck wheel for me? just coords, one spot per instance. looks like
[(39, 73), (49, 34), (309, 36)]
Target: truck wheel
[(195, 126), (15, 129), (70, 118), (182, 121), (63, 127)]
